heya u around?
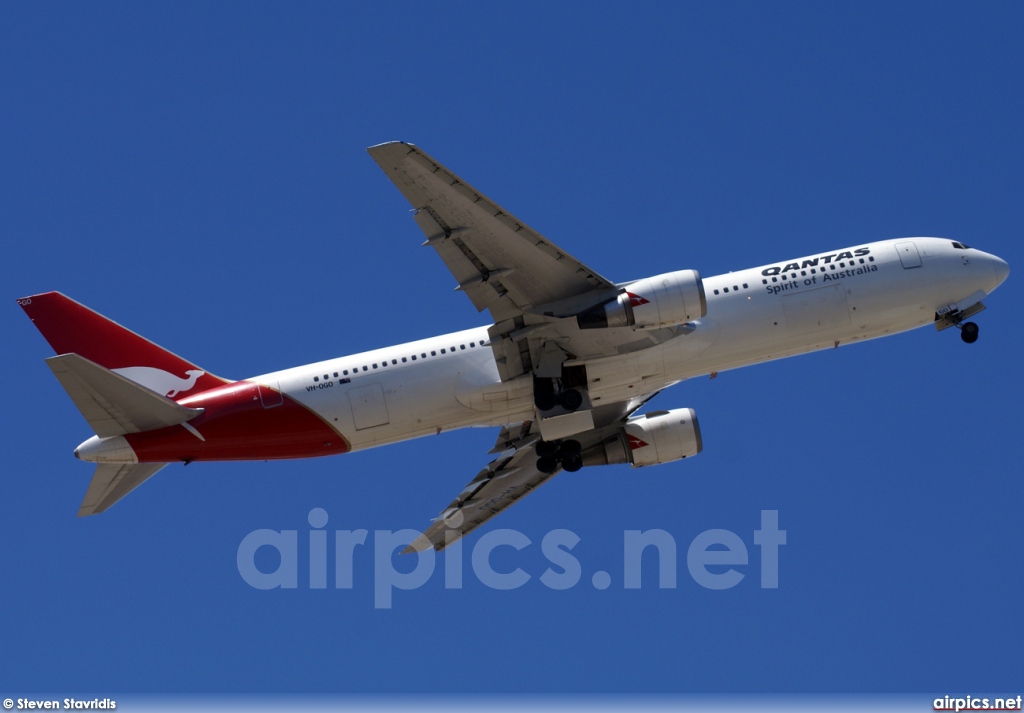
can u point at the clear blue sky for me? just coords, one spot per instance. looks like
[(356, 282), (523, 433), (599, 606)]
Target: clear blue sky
[(197, 172)]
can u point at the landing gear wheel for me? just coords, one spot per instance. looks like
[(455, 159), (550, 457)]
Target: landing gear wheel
[(544, 401), (571, 399), (969, 332), (547, 449), (547, 464), (568, 449), (572, 464)]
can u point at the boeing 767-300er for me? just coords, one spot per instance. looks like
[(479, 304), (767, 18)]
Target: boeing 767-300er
[(563, 371)]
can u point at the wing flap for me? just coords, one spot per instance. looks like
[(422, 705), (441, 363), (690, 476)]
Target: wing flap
[(112, 404), (513, 475)]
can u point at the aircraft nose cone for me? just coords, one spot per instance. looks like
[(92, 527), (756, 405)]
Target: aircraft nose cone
[(1000, 269)]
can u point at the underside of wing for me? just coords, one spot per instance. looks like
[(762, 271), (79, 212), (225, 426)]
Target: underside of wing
[(534, 289), (519, 470), (500, 263), (505, 480)]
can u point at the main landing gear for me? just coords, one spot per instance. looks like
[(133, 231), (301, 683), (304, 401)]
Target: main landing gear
[(551, 454), (546, 398)]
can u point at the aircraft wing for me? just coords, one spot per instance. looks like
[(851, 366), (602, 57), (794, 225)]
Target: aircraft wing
[(498, 261), (529, 284), (511, 476)]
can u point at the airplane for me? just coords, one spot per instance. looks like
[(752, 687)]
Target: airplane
[(563, 371)]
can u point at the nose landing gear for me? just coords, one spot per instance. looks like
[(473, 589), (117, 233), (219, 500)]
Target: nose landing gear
[(955, 314), (551, 454)]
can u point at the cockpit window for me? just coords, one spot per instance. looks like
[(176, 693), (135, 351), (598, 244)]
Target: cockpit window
[(961, 246)]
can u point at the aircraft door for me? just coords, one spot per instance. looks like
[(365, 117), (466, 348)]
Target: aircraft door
[(909, 255), (368, 406), (270, 394)]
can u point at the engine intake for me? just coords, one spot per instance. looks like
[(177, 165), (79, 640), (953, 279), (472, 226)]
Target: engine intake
[(650, 439), (659, 301)]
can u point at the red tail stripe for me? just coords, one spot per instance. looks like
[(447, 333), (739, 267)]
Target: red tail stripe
[(71, 327)]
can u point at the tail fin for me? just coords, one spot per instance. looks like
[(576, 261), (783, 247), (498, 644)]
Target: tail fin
[(72, 328)]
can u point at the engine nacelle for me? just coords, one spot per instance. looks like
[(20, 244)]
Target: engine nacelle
[(663, 437), (650, 439), (659, 301)]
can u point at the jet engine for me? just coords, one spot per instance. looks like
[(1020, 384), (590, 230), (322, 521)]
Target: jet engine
[(659, 301), (650, 439)]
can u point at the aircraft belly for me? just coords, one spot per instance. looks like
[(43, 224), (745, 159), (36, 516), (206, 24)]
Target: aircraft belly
[(420, 400), (627, 376)]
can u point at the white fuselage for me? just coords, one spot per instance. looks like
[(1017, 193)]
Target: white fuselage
[(754, 315)]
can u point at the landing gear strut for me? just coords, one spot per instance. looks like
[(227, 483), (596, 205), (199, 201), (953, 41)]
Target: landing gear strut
[(551, 454), (968, 330)]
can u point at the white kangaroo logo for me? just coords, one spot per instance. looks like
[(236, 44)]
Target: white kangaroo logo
[(160, 381)]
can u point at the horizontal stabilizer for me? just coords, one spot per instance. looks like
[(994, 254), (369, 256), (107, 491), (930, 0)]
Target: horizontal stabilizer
[(73, 328), (111, 482), (112, 404)]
